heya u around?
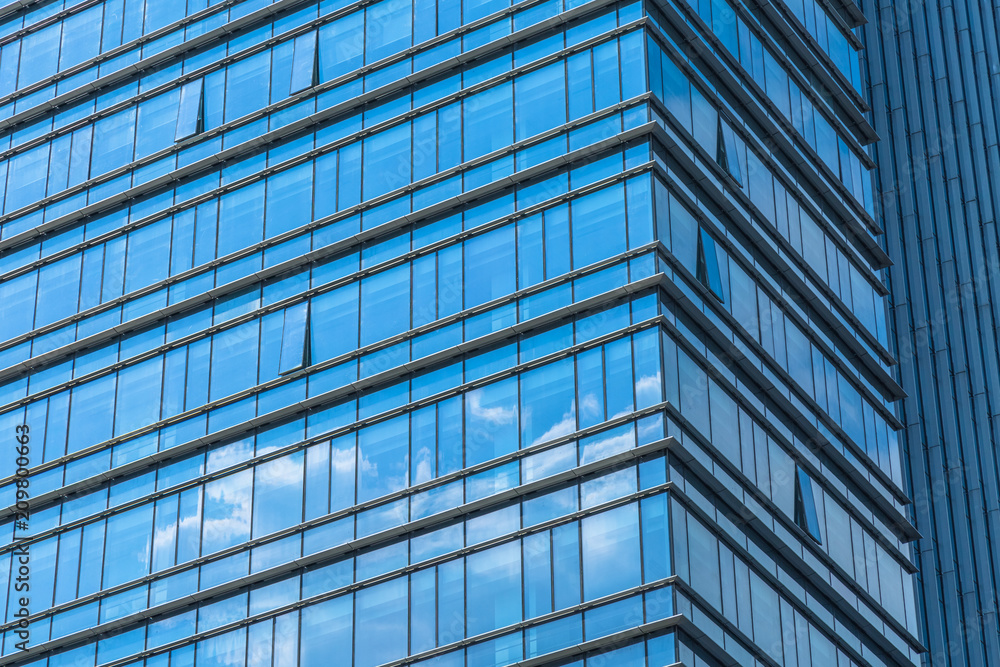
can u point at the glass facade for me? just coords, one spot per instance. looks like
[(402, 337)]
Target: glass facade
[(446, 333), (933, 95)]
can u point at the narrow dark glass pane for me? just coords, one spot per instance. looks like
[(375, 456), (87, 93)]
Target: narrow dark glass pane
[(708, 264), (727, 152), (805, 505), (720, 148), (732, 154)]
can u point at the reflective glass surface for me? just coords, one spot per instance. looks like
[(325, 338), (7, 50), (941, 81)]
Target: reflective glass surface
[(446, 333)]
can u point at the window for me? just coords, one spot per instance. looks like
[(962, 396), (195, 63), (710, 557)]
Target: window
[(380, 617), (708, 264), (727, 152), (191, 111), (277, 495), (305, 63), (493, 588), (611, 558), (805, 505)]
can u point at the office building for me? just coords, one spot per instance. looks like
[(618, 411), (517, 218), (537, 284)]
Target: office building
[(447, 333)]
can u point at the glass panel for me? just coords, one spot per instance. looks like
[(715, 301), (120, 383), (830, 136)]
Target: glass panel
[(708, 264), (327, 629), (304, 63), (805, 505), (494, 588), (732, 152), (191, 111), (381, 615), (610, 552), (295, 338)]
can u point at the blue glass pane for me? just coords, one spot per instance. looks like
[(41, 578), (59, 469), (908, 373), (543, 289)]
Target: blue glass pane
[(304, 63), (610, 552), (191, 111)]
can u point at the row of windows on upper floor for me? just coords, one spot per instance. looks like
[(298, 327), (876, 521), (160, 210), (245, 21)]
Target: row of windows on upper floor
[(166, 248), (376, 361), (718, 571), (831, 39), (291, 329), (412, 150), (754, 449), (865, 458), (147, 234), (875, 459), (792, 220), (31, 15), (279, 559), (195, 376), (594, 69), (438, 289), (279, 642), (703, 402), (324, 470), (549, 265), (180, 433), (96, 29), (722, 19), (243, 84), (38, 160), (543, 256), (769, 323), (333, 472), (67, 167), (796, 225), (81, 37), (598, 230), (277, 500), (795, 105), (713, 131)]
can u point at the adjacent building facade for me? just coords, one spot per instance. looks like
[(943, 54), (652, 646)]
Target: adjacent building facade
[(934, 89), (451, 333)]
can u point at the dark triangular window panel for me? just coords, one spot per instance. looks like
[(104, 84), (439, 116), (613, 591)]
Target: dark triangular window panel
[(708, 264), (805, 505)]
